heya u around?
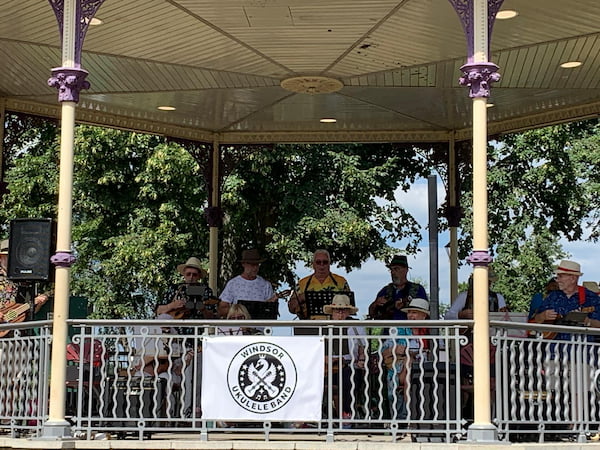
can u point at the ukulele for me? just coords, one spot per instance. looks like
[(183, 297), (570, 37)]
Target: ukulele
[(14, 313), (564, 320)]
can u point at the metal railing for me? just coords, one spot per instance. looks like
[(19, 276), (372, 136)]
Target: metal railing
[(136, 378)]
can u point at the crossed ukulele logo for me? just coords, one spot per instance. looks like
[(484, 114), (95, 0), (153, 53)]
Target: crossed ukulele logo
[(262, 377)]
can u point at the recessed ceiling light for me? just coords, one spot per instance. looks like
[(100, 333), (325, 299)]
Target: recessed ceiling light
[(506, 14), (328, 120), (571, 64), (95, 21), (167, 108)]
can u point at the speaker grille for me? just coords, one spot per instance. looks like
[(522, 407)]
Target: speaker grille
[(29, 249)]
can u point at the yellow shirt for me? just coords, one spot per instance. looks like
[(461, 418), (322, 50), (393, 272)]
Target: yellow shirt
[(333, 282)]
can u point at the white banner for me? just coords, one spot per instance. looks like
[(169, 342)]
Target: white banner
[(262, 378)]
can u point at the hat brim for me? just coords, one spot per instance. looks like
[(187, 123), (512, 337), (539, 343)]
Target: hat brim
[(181, 269), (328, 309), (390, 265), (416, 309), (566, 272)]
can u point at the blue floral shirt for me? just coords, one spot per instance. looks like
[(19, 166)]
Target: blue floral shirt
[(559, 302), (563, 304)]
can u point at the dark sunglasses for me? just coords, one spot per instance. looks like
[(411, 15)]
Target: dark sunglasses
[(321, 262)]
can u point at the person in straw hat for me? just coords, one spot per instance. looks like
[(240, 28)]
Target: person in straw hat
[(249, 285), (569, 297), (190, 298), (351, 356)]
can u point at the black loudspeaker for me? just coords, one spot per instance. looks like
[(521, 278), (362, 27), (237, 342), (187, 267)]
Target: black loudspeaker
[(29, 249)]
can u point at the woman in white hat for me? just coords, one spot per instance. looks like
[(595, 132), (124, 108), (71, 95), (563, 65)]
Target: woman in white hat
[(400, 351)]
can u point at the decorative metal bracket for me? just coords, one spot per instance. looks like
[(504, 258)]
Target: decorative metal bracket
[(68, 81), (214, 216), (86, 10), (464, 9), (62, 259), (479, 77), (480, 258)]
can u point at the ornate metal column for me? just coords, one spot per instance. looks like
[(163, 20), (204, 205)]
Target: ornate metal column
[(73, 17), (477, 17), (453, 214), (214, 216)]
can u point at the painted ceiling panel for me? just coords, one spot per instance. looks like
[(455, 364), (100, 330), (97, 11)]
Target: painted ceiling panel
[(221, 63)]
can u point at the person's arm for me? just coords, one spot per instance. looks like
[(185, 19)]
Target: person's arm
[(377, 304), (271, 294), (40, 300), (169, 307), (294, 303), (549, 315), (502, 306), (456, 308)]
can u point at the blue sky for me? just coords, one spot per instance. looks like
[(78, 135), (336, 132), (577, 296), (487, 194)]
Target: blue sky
[(373, 275)]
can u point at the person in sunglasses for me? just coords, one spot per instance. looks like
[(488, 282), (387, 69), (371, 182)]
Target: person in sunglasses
[(322, 279), (191, 299)]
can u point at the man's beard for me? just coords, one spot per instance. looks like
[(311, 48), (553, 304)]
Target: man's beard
[(398, 280)]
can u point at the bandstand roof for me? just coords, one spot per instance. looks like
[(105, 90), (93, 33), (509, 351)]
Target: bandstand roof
[(221, 64)]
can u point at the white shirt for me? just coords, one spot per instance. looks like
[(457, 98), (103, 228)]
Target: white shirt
[(238, 288), (460, 302)]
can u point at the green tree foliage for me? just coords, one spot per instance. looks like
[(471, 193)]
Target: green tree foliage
[(293, 199), (540, 190), (137, 211), (138, 207)]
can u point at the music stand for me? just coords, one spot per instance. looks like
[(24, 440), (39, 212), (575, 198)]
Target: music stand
[(316, 300), (261, 310)]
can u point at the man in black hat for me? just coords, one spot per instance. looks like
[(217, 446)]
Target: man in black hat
[(395, 296)]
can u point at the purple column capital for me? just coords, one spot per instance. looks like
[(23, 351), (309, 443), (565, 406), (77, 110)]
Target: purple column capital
[(62, 259), (480, 258), (69, 81), (479, 77)]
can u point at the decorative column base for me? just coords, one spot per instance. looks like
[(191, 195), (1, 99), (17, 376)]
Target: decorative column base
[(483, 434), (56, 431)]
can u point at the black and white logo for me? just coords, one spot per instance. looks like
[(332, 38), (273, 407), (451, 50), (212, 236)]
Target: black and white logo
[(262, 377)]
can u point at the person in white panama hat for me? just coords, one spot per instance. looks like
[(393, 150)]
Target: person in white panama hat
[(569, 297)]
